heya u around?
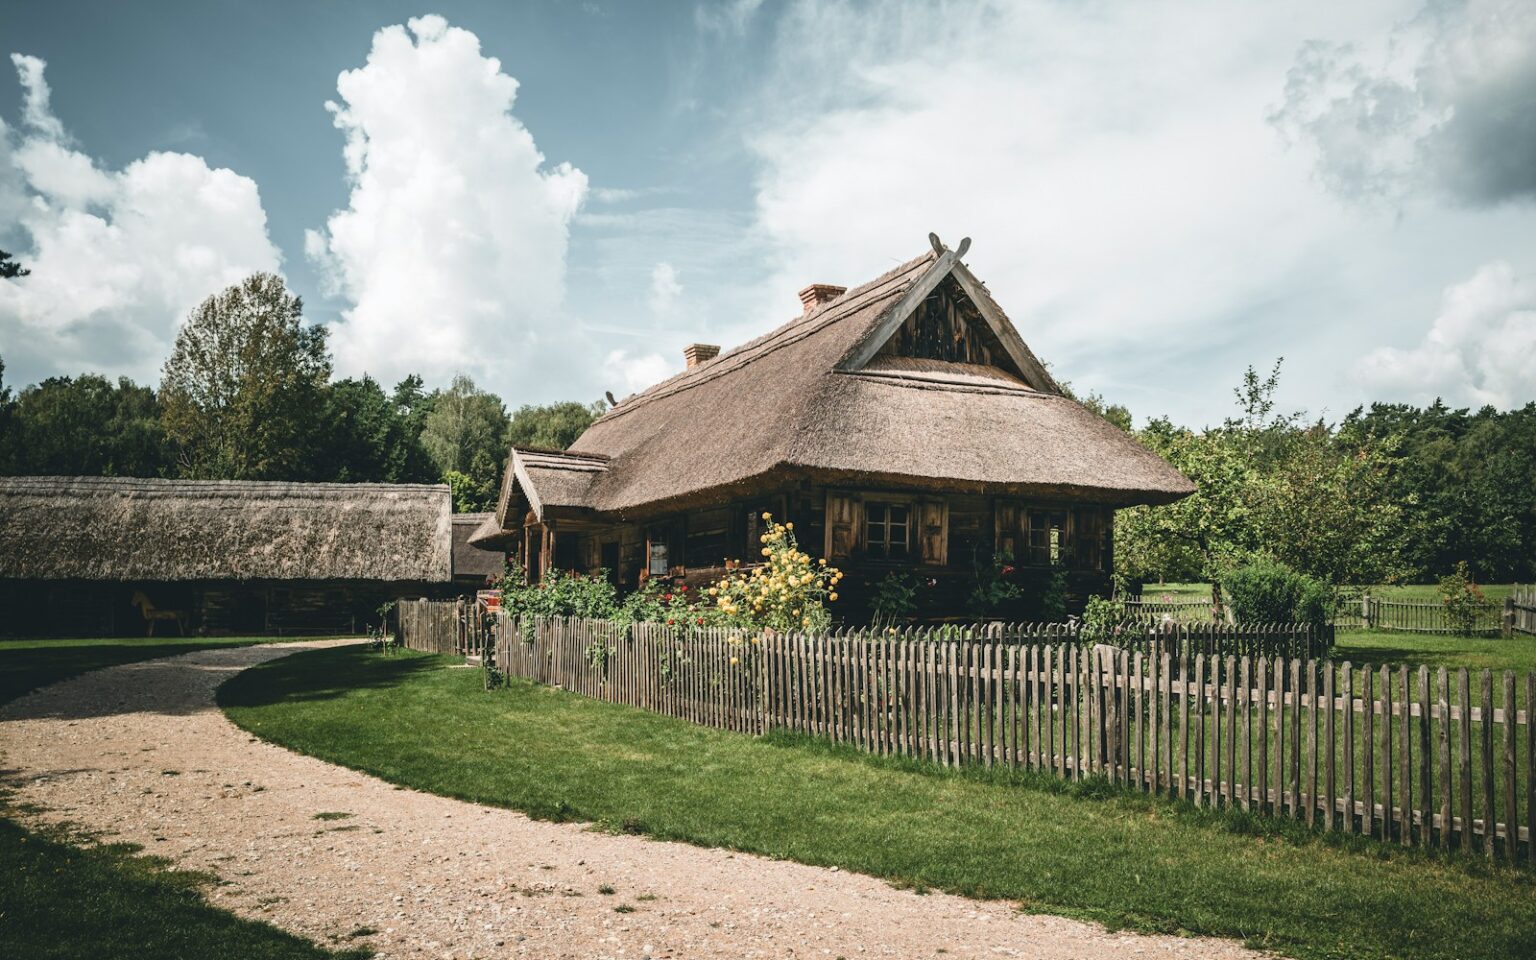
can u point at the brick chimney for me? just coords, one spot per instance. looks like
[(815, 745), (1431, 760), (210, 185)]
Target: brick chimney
[(697, 353), (817, 294)]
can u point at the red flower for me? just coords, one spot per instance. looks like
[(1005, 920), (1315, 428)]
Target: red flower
[(1007, 570), (666, 598), (701, 621), (670, 621), (683, 588)]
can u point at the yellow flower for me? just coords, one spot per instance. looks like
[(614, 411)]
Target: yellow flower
[(766, 551), (763, 538), (831, 596), (823, 561), (767, 515), (790, 525), (734, 661)]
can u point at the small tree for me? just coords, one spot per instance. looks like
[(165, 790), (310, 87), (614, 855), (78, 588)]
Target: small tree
[(244, 383), (1463, 600), (465, 433)]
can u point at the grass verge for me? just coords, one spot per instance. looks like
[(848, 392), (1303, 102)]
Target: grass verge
[(1083, 850), (65, 898)]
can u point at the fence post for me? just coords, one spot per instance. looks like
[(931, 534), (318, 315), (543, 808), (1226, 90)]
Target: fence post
[(1507, 628)]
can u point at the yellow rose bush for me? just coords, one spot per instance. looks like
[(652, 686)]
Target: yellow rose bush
[(789, 591)]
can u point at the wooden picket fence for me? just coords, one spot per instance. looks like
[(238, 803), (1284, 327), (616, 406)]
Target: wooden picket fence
[(1415, 616), (1189, 611), (1255, 719), (444, 626), (1520, 611)]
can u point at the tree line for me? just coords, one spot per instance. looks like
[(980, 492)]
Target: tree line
[(248, 394), (1392, 492)]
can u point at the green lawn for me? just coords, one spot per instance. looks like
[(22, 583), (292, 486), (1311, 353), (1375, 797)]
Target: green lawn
[(1516, 653), (61, 899), (1400, 591), (1079, 850)]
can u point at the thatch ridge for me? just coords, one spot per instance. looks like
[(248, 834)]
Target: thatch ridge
[(144, 529)]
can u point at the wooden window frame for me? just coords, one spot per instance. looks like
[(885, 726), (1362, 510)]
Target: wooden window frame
[(881, 549)]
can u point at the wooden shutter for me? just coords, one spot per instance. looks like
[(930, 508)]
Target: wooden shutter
[(932, 517), (1007, 533), (843, 526)]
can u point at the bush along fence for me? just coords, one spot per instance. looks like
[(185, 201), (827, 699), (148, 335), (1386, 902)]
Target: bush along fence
[(1488, 618)]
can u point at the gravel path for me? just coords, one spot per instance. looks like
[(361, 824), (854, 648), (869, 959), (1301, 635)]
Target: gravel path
[(141, 753)]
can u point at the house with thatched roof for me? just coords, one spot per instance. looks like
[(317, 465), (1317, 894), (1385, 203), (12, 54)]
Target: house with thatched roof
[(904, 426), (226, 556)]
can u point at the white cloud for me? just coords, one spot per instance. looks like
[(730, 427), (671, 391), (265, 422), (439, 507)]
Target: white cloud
[(634, 370), (452, 250), (1481, 349), (665, 290), (1445, 102), (1132, 204), (36, 111), (730, 17), (118, 257), (1106, 183)]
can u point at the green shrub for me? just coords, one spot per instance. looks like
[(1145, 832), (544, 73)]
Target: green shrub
[(1265, 590), (895, 599), (1462, 598)]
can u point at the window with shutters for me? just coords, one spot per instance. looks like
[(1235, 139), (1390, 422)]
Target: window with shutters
[(887, 530)]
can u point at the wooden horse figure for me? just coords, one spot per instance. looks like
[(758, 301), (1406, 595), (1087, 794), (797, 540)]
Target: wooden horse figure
[(152, 614)]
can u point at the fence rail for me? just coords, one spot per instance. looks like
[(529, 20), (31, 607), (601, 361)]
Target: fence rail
[(1441, 758), (1416, 616)]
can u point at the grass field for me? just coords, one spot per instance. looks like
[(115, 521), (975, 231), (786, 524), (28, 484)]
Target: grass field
[(1496, 592), (1082, 850), (1516, 653), (66, 899)]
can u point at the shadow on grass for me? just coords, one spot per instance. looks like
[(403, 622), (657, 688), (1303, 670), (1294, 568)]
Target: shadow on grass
[(61, 901), (145, 677), (323, 675)]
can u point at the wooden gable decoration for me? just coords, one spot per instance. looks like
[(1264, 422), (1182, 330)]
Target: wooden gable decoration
[(948, 315)]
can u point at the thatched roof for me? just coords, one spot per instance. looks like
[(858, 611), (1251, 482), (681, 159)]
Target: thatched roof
[(109, 528), (470, 560), (817, 396), (538, 480)]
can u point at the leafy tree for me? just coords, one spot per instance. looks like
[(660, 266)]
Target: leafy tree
[(243, 383), (465, 433), (10, 447), (11, 268), (553, 426), (88, 426), (372, 437), (1268, 484)]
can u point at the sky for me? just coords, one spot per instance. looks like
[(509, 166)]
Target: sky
[(556, 197)]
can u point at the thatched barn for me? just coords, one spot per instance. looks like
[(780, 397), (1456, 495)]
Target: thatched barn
[(904, 426), (476, 566), (228, 557)]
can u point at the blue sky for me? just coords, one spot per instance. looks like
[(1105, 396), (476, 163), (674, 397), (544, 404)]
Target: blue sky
[(556, 197)]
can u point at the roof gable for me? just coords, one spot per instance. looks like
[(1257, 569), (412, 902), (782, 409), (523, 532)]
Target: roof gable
[(948, 315)]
